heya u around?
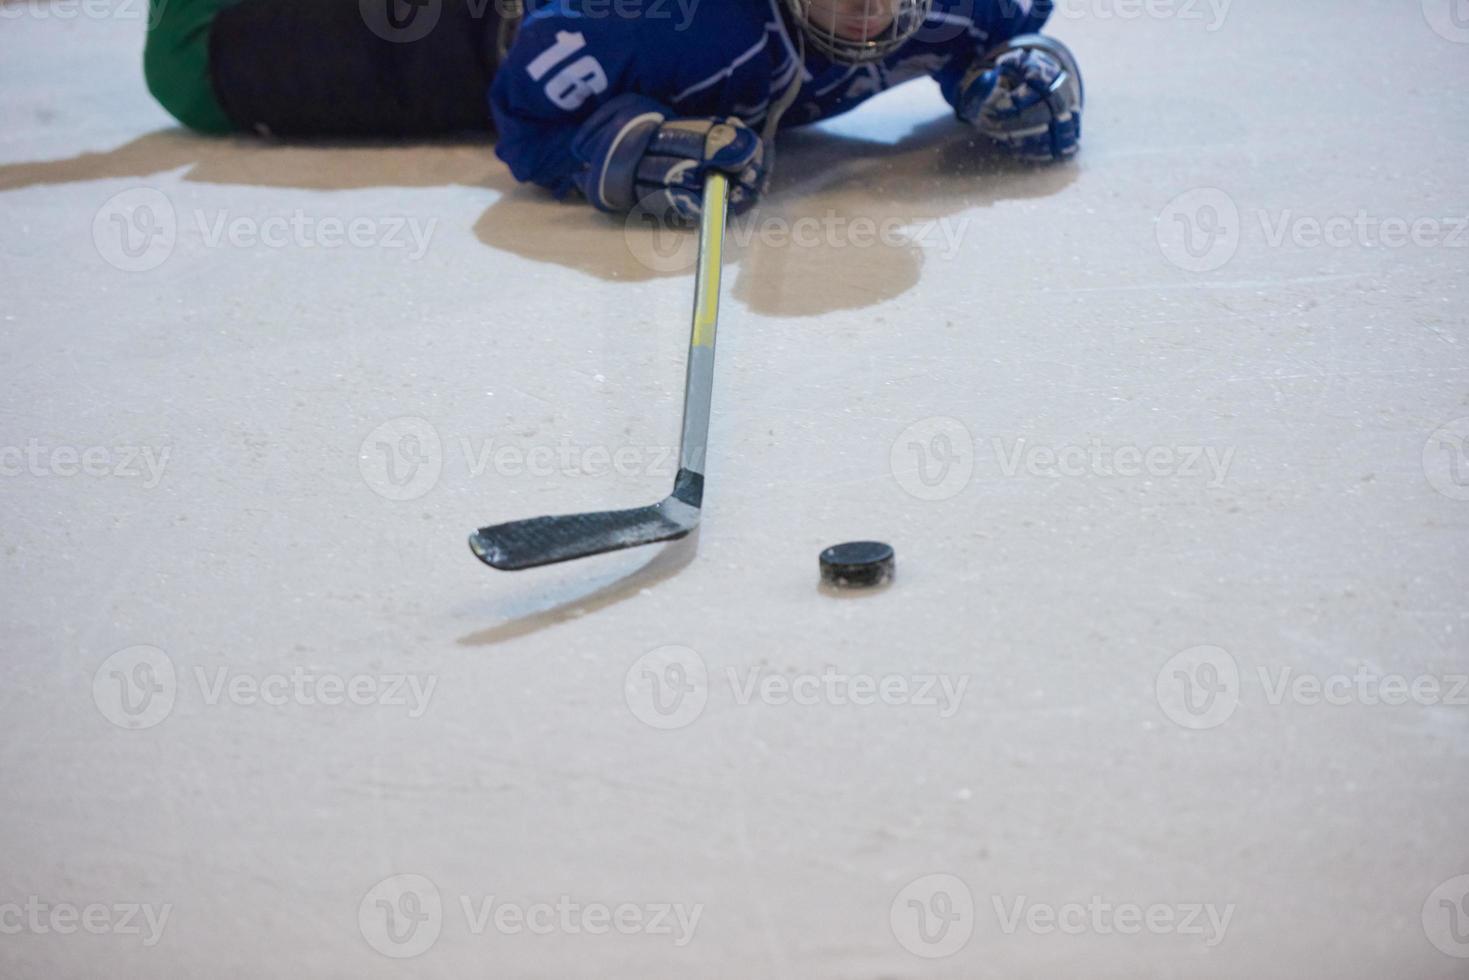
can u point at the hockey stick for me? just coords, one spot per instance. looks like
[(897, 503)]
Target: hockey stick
[(547, 540)]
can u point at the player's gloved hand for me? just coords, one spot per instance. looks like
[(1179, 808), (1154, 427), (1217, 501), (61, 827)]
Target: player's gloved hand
[(638, 158), (1028, 96), (670, 176)]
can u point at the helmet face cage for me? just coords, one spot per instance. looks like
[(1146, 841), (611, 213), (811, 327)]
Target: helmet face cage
[(907, 17)]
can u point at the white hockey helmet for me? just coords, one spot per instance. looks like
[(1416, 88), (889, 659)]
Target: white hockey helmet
[(854, 32)]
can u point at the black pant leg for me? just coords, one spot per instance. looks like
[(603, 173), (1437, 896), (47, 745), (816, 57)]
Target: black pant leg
[(355, 68)]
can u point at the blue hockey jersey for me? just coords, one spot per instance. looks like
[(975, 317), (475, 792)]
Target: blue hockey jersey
[(576, 63)]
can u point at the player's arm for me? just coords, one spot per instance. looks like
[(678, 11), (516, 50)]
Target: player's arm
[(570, 118)]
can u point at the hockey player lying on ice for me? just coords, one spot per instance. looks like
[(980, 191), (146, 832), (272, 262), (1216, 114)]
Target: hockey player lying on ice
[(628, 102)]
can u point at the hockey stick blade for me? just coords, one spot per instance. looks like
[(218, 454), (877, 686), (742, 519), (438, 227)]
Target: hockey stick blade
[(519, 545), (547, 540)]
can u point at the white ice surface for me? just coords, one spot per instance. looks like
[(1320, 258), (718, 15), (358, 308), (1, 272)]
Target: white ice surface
[(1324, 549)]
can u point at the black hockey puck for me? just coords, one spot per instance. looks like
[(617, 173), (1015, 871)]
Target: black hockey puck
[(857, 564)]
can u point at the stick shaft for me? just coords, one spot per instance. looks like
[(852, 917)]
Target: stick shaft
[(699, 381)]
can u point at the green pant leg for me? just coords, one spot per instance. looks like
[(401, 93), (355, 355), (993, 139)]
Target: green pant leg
[(176, 62)]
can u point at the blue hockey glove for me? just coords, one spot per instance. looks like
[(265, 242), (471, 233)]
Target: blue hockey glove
[(638, 158), (670, 177), (1026, 95)]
